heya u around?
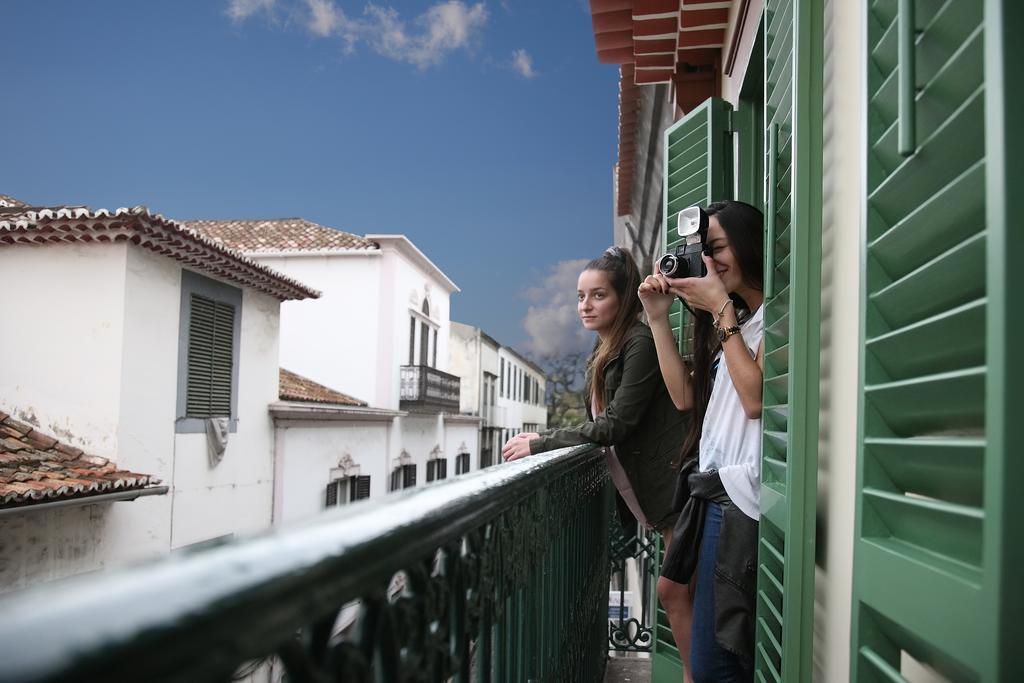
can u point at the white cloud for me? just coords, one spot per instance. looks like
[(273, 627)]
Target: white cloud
[(551, 323), (324, 17), (424, 42), (523, 63), (239, 10), (443, 28)]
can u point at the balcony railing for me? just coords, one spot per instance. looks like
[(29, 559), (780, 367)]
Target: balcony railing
[(427, 388), (498, 575)]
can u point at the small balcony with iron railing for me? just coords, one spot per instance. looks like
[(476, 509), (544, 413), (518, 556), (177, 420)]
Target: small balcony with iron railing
[(500, 574), (427, 389)]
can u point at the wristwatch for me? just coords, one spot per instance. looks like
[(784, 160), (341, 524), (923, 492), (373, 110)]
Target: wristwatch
[(726, 332)]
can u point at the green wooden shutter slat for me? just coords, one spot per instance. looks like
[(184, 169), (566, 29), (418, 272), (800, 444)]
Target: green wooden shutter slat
[(948, 468), (697, 172), (923, 515), (793, 63)]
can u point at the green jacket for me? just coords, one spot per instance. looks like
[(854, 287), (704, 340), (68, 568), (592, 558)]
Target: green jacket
[(640, 420)]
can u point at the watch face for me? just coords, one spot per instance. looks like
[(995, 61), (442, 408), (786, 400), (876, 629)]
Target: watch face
[(726, 332)]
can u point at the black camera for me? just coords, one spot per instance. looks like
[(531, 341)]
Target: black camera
[(686, 261)]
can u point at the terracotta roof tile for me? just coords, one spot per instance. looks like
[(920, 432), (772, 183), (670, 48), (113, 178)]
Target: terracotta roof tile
[(150, 231), (37, 468), (7, 200), (280, 234), (298, 388)]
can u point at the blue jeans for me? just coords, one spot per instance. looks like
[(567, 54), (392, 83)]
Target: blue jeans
[(709, 661)]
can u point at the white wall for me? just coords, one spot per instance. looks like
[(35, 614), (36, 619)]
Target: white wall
[(731, 85), (332, 339), (94, 362), (60, 355), (512, 412), (840, 274), (309, 450), (236, 495), (404, 284), (465, 361), (60, 366)]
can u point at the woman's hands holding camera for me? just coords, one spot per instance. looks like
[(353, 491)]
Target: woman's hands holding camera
[(707, 293), (656, 295)]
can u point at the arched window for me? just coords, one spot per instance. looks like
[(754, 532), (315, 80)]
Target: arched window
[(426, 307)]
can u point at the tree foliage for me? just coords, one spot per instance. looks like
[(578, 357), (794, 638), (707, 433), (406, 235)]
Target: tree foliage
[(566, 377)]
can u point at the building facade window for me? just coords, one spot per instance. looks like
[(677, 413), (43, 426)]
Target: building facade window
[(412, 341), (346, 490), (501, 388), (437, 469), (433, 363), (209, 336), (403, 477), (462, 463)]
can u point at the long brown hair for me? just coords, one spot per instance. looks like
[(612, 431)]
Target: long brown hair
[(742, 224), (624, 276)]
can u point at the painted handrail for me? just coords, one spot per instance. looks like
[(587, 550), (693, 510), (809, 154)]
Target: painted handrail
[(502, 572)]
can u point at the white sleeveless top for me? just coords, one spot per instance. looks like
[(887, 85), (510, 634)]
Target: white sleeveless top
[(730, 442)]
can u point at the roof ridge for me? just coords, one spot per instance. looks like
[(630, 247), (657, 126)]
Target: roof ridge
[(152, 231)]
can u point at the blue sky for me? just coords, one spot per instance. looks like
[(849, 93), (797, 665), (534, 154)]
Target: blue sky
[(486, 132)]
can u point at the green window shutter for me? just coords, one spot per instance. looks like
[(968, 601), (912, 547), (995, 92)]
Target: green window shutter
[(785, 585), (698, 170), (698, 163), (932, 520), (210, 358)]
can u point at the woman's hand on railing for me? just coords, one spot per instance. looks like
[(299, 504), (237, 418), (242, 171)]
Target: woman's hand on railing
[(518, 446)]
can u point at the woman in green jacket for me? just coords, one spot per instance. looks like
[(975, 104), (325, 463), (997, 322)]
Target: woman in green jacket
[(628, 407)]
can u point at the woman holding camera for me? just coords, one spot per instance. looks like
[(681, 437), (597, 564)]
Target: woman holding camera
[(628, 407), (712, 558)]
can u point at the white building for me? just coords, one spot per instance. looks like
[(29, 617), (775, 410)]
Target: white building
[(124, 333), (379, 334), (505, 389)]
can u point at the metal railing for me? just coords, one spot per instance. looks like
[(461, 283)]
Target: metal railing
[(498, 575), (427, 388), (632, 599)]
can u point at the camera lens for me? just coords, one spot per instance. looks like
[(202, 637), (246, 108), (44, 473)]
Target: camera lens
[(667, 265)]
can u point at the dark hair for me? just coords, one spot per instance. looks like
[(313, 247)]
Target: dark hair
[(624, 276), (743, 227)]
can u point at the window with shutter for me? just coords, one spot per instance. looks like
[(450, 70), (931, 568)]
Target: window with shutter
[(360, 487), (792, 312), (209, 334), (331, 495), (408, 476), (424, 343), (210, 358), (462, 463), (697, 161), (412, 341), (930, 558), (437, 469), (347, 489)]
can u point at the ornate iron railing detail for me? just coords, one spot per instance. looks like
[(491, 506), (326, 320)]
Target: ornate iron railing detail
[(428, 388), (499, 575), (634, 572)]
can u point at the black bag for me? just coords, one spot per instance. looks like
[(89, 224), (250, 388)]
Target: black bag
[(682, 491)]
